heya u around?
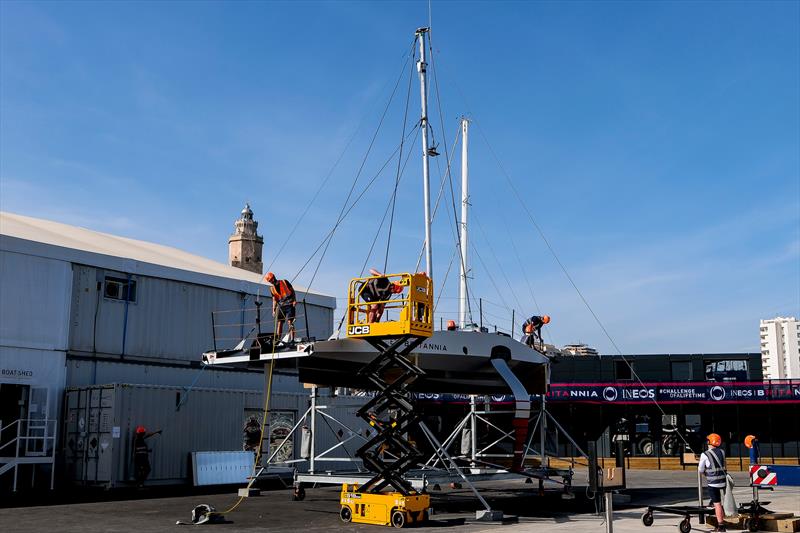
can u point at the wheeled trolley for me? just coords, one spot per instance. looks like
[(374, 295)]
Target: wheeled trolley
[(687, 511)]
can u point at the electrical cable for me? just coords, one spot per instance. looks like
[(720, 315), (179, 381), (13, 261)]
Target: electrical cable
[(253, 475)]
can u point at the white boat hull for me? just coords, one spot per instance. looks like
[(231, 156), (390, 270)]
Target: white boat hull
[(453, 361)]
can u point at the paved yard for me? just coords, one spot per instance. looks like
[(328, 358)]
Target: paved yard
[(274, 510)]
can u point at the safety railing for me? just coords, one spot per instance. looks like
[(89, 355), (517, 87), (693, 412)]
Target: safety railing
[(238, 329), (33, 442), (403, 301)]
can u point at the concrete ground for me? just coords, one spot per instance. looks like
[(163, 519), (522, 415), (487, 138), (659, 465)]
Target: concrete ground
[(454, 509)]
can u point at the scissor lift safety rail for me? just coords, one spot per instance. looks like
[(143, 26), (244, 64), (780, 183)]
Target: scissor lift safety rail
[(390, 412), (415, 307)]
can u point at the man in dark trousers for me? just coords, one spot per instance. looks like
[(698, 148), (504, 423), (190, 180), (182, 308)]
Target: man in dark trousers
[(252, 434), (532, 328), (712, 464), (141, 454), (284, 302), (378, 289)]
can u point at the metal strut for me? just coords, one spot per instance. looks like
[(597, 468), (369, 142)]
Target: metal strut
[(391, 414)]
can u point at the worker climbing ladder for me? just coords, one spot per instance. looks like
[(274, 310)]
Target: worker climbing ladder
[(390, 453)]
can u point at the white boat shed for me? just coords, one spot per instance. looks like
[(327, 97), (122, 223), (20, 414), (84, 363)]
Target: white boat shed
[(80, 308)]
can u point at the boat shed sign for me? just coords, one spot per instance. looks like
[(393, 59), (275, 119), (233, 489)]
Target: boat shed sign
[(663, 393)]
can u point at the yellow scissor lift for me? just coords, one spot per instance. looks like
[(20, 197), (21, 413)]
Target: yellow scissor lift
[(389, 412)]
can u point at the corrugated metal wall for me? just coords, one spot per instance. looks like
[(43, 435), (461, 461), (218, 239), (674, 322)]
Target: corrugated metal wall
[(34, 301), (100, 422), (169, 319)]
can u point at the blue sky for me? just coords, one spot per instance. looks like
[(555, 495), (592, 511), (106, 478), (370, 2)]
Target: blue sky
[(657, 145)]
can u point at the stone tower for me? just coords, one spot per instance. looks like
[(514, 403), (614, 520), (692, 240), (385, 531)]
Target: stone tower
[(244, 246)]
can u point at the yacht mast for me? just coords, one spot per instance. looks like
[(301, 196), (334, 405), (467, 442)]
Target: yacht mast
[(423, 84), (462, 289)]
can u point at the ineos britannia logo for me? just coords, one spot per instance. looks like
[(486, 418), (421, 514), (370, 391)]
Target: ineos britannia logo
[(610, 394), (717, 393)]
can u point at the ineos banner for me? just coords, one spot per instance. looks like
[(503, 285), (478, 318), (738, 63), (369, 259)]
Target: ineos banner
[(664, 393)]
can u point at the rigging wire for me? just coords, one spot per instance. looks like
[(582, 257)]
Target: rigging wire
[(496, 260), (442, 183), (355, 202), (385, 213), (435, 76), (448, 174), (389, 205), (397, 179), (327, 178), (342, 213), (567, 274)]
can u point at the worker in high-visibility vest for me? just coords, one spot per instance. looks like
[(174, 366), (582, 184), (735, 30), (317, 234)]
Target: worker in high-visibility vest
[(712, 464), (532, 328), (284, 302)]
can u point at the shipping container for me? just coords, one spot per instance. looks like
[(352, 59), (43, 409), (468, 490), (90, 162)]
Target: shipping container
[(100, 421)]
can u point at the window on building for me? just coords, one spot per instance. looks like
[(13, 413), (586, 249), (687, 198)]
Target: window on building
[(682, 371), (120, 289), (622, 371), (726, 370)]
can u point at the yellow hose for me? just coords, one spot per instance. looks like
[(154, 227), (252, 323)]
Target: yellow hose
[(263, 425)]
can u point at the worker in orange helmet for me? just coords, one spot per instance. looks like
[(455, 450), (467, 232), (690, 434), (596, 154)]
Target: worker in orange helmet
[(712, 464), (532, 328), (284, 302), (141, 454)]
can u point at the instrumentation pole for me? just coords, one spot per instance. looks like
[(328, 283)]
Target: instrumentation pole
[(422, 67), (462, 292)]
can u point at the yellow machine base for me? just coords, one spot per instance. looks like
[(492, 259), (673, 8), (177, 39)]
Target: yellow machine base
[(383, 509)]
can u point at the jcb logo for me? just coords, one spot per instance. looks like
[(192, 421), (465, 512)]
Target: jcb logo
[(358, 330)]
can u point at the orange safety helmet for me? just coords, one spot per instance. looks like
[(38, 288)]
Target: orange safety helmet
[(748, 440), (546, 319), (451, 325), (141, 429), (714, 439), (270, 277)]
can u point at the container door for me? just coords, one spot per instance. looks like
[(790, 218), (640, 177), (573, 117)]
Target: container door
[(74, 429), (36, 432), (105, 448)]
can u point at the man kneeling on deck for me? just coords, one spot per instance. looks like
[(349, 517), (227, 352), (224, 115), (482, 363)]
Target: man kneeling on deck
[(712, 464)]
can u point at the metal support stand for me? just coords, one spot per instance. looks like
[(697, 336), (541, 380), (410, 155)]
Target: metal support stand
[(609, 496), (487, 514)]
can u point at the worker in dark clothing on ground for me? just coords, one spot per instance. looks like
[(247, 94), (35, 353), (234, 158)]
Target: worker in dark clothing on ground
[(141, 454), (378, 289), (712, 464), (284, 301), (532, 328), (252, 434)]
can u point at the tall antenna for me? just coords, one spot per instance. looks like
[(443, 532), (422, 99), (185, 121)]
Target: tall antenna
[(426, 186), (462, 289)]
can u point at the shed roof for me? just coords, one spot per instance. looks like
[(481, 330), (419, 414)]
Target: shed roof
[(54, 240)]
